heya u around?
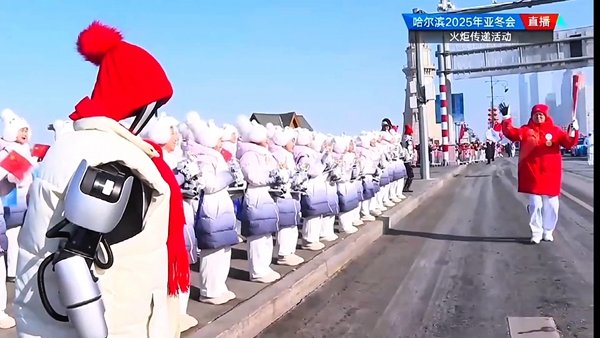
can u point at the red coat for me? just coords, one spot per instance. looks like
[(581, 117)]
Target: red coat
[(540, 160)]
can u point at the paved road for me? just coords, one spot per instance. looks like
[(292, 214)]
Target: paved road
[(462, 265)]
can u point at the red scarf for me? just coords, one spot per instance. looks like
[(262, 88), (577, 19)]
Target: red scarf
[(179, 266)]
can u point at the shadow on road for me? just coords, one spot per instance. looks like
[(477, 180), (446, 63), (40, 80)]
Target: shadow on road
[(459, 238)]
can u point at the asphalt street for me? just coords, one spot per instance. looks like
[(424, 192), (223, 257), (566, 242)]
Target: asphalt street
[(461, 265)]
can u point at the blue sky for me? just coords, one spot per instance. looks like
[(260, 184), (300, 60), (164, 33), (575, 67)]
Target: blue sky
[(338, 62)]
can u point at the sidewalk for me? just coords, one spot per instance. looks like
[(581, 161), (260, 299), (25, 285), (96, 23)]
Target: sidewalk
[(258, 305)]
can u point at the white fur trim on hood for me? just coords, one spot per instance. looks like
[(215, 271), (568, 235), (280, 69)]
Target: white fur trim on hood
[(12, 124)]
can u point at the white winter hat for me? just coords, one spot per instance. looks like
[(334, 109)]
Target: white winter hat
[(303, 137), (340, 144), (161, 129), (228, 131), (364, 139), (281, 137), (258, 133), (271, 128), (206, 134), (244, 127), (12, 124), (318, 141)]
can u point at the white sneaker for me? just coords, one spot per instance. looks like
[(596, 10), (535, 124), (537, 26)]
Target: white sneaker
[(548, 236), (329, 238), (536, 239), (222, 299), (7, 322), (269, 278), (358, 222), (376, 212), (314, 246), (388, 204), (290, 260), (186, 322), (368, 218), (350, 230), (396, 199)]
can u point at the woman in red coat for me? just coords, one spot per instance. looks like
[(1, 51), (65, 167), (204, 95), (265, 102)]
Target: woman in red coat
[(540, 165)]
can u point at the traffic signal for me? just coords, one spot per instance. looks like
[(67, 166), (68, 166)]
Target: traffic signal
[(493, 116)]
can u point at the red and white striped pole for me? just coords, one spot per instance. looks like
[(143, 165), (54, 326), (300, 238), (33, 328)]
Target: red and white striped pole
[(443, 106)]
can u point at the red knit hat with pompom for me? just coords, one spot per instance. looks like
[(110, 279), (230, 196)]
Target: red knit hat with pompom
[(129, 78), (408, 130)]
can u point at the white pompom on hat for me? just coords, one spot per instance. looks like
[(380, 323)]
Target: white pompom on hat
[(271, 128), (12, 124), (161, 129), (244, 127), (281, 137), (258, 133), (205, 133), (340, 144), (303, 137)]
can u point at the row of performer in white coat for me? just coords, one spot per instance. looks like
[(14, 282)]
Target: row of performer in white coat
[(247, 182), (254, 182)]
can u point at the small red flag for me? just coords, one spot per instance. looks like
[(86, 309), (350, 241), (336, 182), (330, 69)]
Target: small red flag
[(16, 164), (226, 155), (39, 151)]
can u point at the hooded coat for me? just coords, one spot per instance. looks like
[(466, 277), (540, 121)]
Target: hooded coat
[(288, 206), (314, 203), (540, 160), (259, 213), (215, 220)]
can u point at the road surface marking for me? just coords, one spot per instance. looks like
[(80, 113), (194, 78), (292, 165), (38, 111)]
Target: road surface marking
[(578, 201), (532, 327)]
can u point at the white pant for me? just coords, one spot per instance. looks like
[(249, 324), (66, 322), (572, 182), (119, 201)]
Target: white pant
[(287, 239), (327, 225), (400, 187), (311, 229), (392, 190), (346, 219), (12, 252), (260, 254), (214, 269), (3, 294), (590, 157), (543, 214), (379, 198), (238, 227), (364, 208), (183, 301)]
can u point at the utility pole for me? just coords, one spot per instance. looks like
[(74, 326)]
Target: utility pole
[(492, 101), (421, 100)]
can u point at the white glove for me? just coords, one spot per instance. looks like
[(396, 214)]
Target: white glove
[(575, 125), (12, 178)]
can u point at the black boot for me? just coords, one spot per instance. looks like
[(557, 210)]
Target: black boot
[(407, 184)]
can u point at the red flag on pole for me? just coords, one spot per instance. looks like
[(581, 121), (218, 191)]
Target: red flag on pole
[(462, 132), (16, 164)]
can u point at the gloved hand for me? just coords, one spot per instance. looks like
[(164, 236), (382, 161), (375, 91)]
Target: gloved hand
[(12, 179), (574, 125), (275, 178), (504, 110)]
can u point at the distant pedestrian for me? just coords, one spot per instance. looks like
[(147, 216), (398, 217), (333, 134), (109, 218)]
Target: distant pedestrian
[(540, 165), (490, 151), (589, 144)]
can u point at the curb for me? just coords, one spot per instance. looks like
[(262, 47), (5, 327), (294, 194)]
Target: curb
[(252, 316)]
